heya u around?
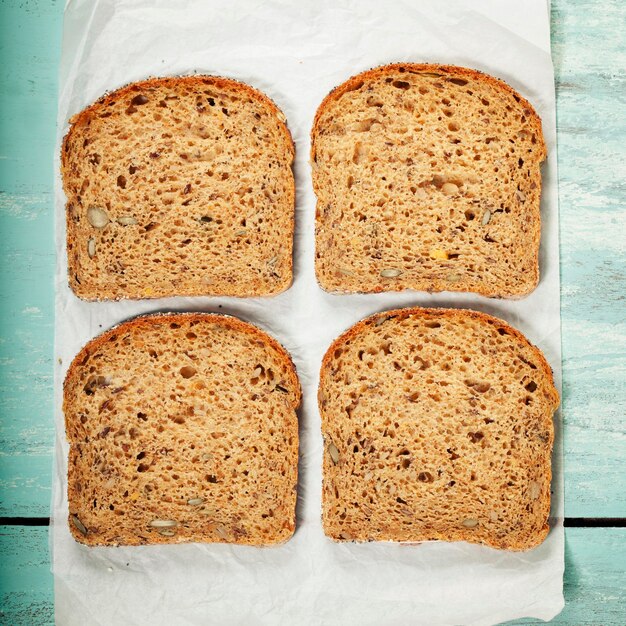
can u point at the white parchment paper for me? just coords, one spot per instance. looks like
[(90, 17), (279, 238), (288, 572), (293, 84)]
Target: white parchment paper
[(296, 52)]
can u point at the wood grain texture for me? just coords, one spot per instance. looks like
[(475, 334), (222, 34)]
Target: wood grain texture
[(26, 595), (595, 582), (30, 35), (589, 57), (589, 52), (592, 135)]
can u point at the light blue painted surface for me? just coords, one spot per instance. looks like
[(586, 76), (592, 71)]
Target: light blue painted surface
[(589, 52), (591, 95), (595, 584), (26, 595), (590, 61), (29, 52)]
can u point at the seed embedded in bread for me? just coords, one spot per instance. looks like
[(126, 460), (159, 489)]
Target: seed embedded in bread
[(184, 185), (438, 426), (159, 456), (434, 171)]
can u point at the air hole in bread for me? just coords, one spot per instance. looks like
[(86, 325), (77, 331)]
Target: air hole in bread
[(475, 437), (355, 86), (402, 430), (187, 371), (526, 361), (374, 101), (432, 324), (453, 454), (170, 449)]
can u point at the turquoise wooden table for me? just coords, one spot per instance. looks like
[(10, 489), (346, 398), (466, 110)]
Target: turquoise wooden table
[(590, 62)]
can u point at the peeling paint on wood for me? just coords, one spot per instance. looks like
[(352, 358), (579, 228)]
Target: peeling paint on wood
[(592, 139), (589, 54), (26, 595), (30, 52), (595, 582)]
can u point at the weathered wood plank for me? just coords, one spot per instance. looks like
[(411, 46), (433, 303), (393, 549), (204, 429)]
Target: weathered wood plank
[(26, 592), (589, 53), (589, 56), (30, 36), (595, 581)]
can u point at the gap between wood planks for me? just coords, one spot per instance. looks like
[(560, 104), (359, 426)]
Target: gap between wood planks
[(568, 522)]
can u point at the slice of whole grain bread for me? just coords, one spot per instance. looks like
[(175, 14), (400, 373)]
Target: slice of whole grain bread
[(427, 177), (179, 187), (437, 425), (182, 428)]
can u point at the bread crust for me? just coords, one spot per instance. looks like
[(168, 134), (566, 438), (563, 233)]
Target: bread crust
[(196, 80), (144, 321), (450, 314), (420, 68), (449, 71), (355, 330), (138, 324)]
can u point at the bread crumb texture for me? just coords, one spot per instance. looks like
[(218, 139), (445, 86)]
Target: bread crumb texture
[(179, 186), (437, 425), (182, 428), (427, 177)]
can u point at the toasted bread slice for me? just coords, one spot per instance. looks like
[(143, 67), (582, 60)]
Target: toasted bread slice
[(437, 425), (182, 428), (428, 178), (179, 187)]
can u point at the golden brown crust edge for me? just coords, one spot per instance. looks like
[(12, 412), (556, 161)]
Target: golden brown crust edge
[(219, 82), (143, 321), (155, 541), (155, 319), (451, 71), (545, 368)]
